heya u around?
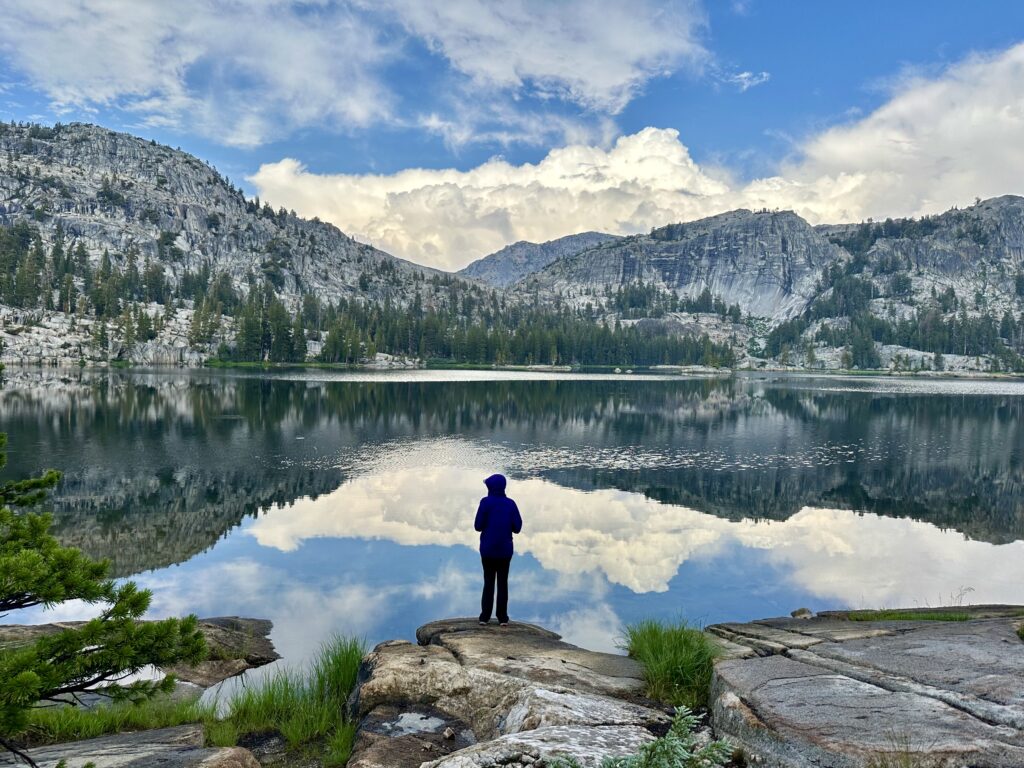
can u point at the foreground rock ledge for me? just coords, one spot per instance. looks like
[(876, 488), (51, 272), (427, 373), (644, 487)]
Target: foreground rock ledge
[(827, 691), (469, 696)]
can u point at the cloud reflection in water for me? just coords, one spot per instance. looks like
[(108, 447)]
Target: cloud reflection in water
[(839, 556)]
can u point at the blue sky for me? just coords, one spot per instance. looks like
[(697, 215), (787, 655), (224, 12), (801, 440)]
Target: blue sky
[(536, 119)]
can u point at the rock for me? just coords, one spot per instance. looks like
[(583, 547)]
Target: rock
[(767, 262), (941, 690), (520, 691), (589, 745), (231, 757), (180, 747), (535, 654), (802, 613)]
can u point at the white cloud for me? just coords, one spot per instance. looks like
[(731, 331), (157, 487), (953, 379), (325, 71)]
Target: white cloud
[(447, 217), (639, 543), (243, 72), (936, 143), (596, 53), (747, 80)]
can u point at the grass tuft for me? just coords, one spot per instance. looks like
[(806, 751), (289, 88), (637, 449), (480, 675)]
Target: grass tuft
[(678, 661), (896, 615), (48, 725), (903, 754), (1020, 631), (306, 707)]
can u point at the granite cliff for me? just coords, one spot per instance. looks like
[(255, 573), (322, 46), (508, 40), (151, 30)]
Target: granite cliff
[(122, 194), (514, 262), (768, 263)]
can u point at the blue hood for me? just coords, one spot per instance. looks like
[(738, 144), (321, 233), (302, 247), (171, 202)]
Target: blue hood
[(495, 485)]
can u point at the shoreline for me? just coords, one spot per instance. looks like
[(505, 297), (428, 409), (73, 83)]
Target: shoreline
[(666, 371)]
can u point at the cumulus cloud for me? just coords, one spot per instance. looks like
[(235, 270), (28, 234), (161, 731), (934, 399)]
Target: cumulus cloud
[(447, 217), (935, 143), (640, 543)]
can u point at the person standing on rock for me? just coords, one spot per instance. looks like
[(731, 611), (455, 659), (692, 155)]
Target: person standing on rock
[(497, 518)]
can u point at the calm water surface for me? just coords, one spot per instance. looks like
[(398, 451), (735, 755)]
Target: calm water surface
[(344, 503)]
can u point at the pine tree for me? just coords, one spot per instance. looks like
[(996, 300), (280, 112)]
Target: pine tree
[(144, 326), (127, 324), (298, 339), (26, 283), (57, 668)]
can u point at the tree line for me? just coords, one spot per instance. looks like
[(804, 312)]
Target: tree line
[(463, 324)]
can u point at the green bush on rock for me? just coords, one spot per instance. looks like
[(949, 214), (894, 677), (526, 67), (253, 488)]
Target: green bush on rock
[(677, 660)]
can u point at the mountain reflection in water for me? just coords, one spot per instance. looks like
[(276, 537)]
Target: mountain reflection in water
[(334, 503)]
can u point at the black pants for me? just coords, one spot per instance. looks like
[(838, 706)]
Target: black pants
[(495, 568)]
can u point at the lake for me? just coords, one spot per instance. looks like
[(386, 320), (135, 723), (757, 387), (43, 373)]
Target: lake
[(335, 502)]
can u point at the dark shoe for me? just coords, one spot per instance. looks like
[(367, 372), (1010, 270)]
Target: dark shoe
[(483, 623), (502, 623)]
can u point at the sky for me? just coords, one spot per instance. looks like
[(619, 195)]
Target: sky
[(442, 130)]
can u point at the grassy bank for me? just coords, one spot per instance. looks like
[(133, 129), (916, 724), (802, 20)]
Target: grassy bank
[(306, 707), (678, 660)]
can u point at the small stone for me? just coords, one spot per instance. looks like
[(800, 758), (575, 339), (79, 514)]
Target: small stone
[(802, 613), (448, 733)]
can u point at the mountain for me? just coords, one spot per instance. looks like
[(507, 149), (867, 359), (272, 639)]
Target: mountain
[(514, 262), (117, 248), (118, 193), (767, 263), (977, 252)]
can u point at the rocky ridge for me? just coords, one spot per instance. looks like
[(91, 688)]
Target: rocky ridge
[(514, 262), (772, 263), (116, 192), (767, 262)]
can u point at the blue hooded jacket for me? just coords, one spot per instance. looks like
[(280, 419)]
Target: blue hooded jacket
[(497, 518)]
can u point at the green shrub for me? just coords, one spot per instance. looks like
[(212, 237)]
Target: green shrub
[(1020, 631), (677, 660)]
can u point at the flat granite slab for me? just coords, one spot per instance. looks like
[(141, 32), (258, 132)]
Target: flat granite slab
[(830, 692), (180, 747)]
